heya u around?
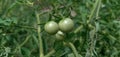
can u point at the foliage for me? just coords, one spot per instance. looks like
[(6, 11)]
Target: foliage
[(96, 32)]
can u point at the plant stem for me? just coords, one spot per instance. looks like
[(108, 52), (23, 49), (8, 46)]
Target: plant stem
[(93, 11), (50, 53), (91, 50), (74, 49), (97, 13), (39, 36), (27, 27), (25, 41), (78, 29)]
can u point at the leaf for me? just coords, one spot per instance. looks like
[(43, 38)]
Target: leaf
[(7, 22), (15, 20), (25, 51), (1, 21)]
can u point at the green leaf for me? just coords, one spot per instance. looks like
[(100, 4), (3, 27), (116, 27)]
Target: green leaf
[(25, 51)]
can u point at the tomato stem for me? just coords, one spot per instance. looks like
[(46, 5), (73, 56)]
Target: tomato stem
[(98, 9), (78, 29), (74, 49), (93, 32), (39, 36), (25, 41), (50, 53), (93, 11)]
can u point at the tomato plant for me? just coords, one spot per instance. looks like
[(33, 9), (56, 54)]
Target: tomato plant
[(59, 28)]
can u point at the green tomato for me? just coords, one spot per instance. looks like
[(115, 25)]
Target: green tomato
[(66, 25), (51, 27), (60, 35)]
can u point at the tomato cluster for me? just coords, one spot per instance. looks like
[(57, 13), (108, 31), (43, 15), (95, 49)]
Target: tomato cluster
[(64, 26)]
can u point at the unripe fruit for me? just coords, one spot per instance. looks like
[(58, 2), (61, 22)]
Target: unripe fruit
[(66, 25), (51, 27), (60, 35)]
